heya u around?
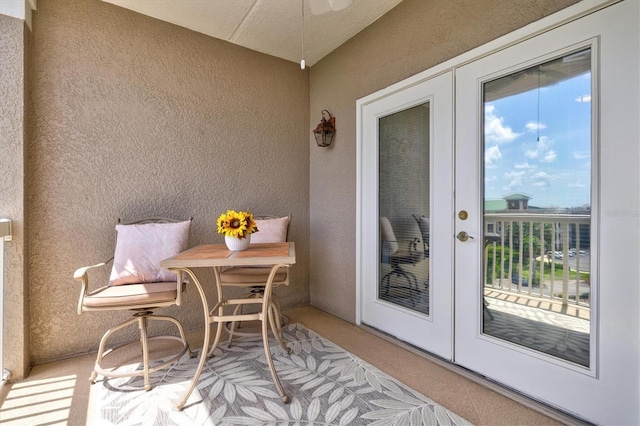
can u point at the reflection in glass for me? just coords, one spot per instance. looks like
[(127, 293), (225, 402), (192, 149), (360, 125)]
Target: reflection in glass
[(404, 208), (537, 207)]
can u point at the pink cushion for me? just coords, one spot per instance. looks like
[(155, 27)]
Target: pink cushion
[(271, 230), (141, 247)]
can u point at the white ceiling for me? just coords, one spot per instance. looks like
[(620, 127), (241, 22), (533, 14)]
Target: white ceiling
[(273, 27)]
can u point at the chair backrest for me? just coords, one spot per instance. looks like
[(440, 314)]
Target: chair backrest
[(141, 245), (389, 242), (271, 229), (423, 224)]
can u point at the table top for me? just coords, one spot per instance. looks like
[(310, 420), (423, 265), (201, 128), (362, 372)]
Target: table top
[(208, 255)]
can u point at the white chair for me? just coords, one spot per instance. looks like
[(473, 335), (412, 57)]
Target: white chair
[(138, 283), (396, 256), (271, 229)]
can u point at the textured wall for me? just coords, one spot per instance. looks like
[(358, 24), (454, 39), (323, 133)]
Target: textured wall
[(13, 133), (135, 117), (414, 36)]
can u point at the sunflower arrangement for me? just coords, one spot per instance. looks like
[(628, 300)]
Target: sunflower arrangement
[(236, 224)]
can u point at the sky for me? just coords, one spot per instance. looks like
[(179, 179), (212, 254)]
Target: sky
[(538, 143)]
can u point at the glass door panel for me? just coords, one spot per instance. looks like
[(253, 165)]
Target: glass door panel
[(537, 207), (404, 208)]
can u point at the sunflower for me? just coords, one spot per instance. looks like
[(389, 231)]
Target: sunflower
[(236, 224)]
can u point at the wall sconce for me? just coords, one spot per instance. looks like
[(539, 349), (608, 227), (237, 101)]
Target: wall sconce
[(325, 130)]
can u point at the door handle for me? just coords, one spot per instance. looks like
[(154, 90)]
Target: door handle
[(463, 236)]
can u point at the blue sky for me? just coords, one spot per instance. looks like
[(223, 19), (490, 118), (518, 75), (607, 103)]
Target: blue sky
[(538, 143)]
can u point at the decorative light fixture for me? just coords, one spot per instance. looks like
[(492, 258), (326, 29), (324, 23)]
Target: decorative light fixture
[(325, 130)]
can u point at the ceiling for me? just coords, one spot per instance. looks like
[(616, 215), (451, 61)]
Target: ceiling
[(273, 27)]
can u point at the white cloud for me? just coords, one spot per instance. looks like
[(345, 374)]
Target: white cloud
[(540, 184), (540, 179), (492, 156), (534, 127), (584, 98), (526, 166), (516, 180), (542, 150), (494, 128), (581, 155), (550, 156)]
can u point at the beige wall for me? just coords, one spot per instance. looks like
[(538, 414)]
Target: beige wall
[(134, 117), (14, 47), (416, 35)]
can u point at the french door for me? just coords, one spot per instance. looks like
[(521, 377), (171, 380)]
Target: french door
[(407, 164), (498, 212), (542, 128)]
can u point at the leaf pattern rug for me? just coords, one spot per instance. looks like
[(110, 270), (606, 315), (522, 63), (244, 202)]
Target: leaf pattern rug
[(327, 386)]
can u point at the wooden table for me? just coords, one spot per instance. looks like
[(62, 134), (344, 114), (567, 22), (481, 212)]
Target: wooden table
[(277, 255)]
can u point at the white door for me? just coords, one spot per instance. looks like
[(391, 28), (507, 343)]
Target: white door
[(405, 177), (547, 194)]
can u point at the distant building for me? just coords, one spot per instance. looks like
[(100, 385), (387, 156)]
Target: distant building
[(578, 235)]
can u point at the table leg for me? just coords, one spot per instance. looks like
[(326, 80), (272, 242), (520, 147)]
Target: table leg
[(267, 314), (205, 344)]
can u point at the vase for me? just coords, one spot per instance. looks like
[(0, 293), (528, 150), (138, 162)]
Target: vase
[(237, 244)]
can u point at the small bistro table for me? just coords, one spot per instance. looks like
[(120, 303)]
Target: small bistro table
[(276, 255)]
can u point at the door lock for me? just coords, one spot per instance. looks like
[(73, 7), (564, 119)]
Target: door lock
[(463, 236)]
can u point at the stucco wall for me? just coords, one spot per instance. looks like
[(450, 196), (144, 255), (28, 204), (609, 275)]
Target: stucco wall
[(14, 45), (135, 117), (416, 35)]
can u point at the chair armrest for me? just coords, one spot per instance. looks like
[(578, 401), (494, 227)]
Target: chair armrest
[(80, 273)]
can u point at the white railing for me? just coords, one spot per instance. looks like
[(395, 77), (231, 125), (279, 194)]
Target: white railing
[(5, 235), (540, 255)]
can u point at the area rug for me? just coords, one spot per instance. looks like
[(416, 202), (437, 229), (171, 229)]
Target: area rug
[(327, 386)]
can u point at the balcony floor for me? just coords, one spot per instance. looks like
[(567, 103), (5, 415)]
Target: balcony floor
[(59, 392)]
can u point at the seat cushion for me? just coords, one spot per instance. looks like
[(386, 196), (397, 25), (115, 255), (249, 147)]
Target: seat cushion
[(251, 275), (271, 230), (147, 294), (141, 247)]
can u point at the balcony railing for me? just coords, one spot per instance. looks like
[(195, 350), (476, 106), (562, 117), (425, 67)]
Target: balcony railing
[(5, 235), (539, 255)]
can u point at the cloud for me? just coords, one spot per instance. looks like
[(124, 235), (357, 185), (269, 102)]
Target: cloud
[(584, 98), (492, 156), (534, 127), (550, 156), (581, 155), (494, 128), (541, 179), (526, 166), (541, 151), (516, 180)]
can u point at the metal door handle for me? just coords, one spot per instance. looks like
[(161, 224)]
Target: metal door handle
[(463, 236)]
